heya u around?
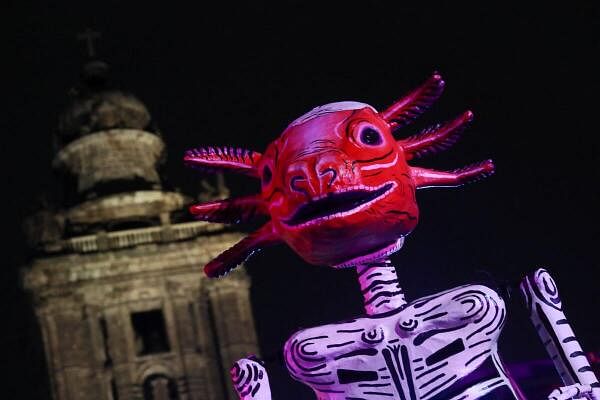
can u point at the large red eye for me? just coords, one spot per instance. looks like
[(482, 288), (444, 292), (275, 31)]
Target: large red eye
[(370, 137)]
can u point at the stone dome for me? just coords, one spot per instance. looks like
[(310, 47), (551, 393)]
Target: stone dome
[(106, 142), (96, 107)]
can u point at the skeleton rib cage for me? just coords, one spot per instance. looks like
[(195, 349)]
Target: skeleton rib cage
[(422, 350), (440, 347)]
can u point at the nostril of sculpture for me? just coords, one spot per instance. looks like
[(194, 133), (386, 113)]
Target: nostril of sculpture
[(328, 176), (330, 169), (299, 184)]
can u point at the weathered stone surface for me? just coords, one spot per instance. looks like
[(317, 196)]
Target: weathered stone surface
[(44, 228), (237, 337), (153, 259), (103, 110), (123, 305), (124, 206), (111, 155), (76, 294)]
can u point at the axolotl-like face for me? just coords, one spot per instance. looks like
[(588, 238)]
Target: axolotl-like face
[(336, 185)]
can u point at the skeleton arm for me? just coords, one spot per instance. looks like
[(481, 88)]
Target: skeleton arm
[(545, 307), (250, 379)]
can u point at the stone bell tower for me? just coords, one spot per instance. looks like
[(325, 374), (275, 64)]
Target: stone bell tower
[(124, 308)]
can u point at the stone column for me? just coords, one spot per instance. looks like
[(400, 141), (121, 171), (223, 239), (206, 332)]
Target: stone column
[(72, 340), (200, 369), (234, 324), (120, 342)]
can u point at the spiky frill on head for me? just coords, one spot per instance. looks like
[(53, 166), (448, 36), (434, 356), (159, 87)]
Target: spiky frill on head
[(336, 185)]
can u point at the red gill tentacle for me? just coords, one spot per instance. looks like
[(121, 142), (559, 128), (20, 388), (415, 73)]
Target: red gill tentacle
[(214, 159), (240, 252), (435, 138), (231, 211), (403, 111), (424, 178)]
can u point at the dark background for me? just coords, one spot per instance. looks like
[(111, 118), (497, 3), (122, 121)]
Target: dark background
[(236, 74)]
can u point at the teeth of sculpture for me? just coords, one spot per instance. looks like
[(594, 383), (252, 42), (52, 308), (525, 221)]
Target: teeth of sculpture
[(377, 255), (354, 210)]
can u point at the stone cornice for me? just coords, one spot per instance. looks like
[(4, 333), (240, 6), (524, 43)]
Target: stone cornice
[(143, 259)]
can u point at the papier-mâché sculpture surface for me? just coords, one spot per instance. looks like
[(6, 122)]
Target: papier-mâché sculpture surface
[(337, 188)]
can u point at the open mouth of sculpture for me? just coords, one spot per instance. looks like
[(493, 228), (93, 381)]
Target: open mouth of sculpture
[(339, 204)]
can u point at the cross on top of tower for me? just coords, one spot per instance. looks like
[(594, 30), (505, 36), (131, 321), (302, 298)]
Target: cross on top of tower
[(89, 35)]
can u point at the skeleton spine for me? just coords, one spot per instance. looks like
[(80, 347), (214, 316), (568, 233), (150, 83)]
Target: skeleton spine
[(380, 287)]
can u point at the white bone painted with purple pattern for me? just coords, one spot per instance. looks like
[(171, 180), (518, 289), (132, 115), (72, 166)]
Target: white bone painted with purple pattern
[(250, 379), (545, 308), (438, 347)]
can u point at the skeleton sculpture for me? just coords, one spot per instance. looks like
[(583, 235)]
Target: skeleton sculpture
[(338, 190)]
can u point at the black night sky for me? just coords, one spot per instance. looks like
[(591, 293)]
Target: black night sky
[(236, 74)]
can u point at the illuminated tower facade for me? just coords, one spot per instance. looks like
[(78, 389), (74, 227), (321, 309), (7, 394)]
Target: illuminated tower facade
[(124, 308)]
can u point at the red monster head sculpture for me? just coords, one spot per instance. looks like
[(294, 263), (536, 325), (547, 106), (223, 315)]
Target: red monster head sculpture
[(336, 184)]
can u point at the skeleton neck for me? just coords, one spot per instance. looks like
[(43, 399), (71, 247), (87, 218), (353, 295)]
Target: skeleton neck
[(380, 287)]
